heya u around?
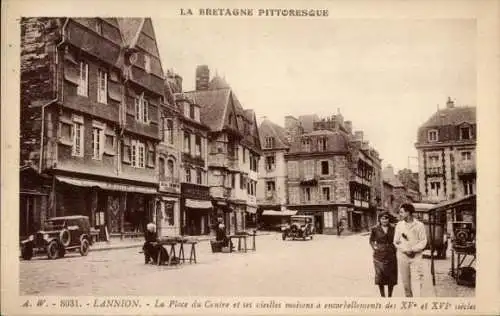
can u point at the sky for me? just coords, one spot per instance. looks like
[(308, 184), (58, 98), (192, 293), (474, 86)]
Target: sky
[(386, 76)]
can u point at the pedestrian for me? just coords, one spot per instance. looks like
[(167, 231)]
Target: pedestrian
[(149, 248), (410, 240), (384, 255), (340, 227), (220, 234)]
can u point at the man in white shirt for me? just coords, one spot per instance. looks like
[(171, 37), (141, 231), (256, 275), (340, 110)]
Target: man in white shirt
[(410, 240)]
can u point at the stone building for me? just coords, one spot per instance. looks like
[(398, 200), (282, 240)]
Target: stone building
[(446, 145), (91, 93), (272, 184), (233, 150), (333, 174), (196, 206), (395, 192)]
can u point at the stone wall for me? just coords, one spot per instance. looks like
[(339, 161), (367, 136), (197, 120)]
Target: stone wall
[(39, 37)]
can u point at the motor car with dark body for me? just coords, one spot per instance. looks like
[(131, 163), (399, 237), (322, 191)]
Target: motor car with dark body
[(59, 235), (300, 227)]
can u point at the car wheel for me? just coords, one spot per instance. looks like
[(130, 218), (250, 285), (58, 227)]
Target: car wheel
[(53, 250), (65, 237), (84, 247), (27, 253)]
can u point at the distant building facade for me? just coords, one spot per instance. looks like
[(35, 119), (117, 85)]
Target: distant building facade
[(446, 146), (331, 173), (272, 183)]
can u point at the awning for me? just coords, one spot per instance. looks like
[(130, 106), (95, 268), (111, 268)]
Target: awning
[(251, 210), (107, 185), (198, 204), (279, 213)]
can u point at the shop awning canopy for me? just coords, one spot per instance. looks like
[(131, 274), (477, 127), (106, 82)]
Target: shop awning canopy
[(279, 213), (107, 185), (198, 204)]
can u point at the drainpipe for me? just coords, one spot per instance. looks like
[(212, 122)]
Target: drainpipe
[(42, 134)]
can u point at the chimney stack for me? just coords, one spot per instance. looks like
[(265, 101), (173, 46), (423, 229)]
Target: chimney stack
[(450, 104), (202, 77), (348, 127), (358, 135), (178, 82)]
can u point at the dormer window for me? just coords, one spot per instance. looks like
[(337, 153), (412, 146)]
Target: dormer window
[(432, 135), (191, 111), (269, 141), (322, 144), (465, 133), (98, 27)]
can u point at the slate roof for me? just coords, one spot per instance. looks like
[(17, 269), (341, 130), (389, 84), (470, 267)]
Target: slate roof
[(213, 106), (452, 116), (268, 128)]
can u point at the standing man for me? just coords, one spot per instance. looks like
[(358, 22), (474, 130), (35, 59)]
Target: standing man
[(410, 240)]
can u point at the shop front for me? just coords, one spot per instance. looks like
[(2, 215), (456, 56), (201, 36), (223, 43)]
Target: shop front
[(115, 209), (167, 216), (196, 209), (34, 196)]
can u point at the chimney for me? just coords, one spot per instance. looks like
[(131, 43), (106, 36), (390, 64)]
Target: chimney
[(348, 127), (358, 135), (178, 82), (450, 104), (202, 77)]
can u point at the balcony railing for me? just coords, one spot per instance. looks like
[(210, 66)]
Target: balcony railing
[(466, 167), (434, 171)]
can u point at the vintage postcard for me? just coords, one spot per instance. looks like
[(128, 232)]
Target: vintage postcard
[(250, 157)]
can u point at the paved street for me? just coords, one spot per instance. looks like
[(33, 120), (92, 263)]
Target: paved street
[(325, 266)]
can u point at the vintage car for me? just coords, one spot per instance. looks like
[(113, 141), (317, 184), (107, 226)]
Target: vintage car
[(300, 227), (60, 234)]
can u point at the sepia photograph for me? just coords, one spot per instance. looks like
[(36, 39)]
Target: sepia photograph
[(240, 151)]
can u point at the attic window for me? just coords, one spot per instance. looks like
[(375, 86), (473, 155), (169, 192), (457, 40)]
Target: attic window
[(465, 133), (432, 135), (98, 27), (270, 142)]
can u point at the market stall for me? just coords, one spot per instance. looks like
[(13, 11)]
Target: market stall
[(461, 223)]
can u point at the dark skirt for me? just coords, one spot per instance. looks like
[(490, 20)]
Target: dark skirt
[(386, 271)]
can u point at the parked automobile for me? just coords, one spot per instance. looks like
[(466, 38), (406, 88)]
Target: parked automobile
[(300, 227), (60, 234)]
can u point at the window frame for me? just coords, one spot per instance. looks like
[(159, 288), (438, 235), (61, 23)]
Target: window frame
[(83, 83), (327, 164), (431, 132), (328, 198), (102, 86), (100, 144)]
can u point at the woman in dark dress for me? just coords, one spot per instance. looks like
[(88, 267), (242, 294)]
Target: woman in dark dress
[(384, 255)]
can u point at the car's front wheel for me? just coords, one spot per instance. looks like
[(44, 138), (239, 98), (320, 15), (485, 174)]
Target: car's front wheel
[(84, 247), (53, 250)]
